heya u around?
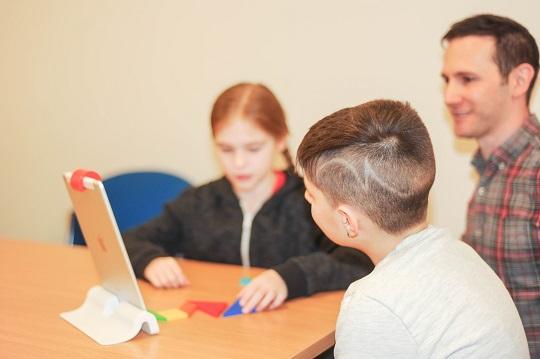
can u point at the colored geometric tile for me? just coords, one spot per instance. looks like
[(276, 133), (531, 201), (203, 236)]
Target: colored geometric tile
[(188, 307), (158, 316), (245, 281), (173, 314), (235, 309), (211, 308)]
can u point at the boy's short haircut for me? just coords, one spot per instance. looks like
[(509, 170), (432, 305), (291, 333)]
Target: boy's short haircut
[(376, 157)]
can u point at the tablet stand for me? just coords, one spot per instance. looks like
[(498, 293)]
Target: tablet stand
[(107, 320)]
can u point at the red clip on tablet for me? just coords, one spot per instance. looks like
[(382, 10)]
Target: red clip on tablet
[(77, 178)]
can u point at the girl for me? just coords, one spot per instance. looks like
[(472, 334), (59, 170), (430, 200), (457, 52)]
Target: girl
[(254, 215)]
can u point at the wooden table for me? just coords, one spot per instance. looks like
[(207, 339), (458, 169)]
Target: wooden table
[(38, 281)]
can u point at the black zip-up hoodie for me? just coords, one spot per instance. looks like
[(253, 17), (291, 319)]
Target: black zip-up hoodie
[(205, 223)]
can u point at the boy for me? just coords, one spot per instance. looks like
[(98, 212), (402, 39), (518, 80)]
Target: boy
[(368, 171)]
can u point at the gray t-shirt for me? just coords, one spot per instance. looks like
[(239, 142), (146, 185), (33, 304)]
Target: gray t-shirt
[(431, 297)]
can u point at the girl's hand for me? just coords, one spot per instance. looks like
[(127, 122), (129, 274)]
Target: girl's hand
[(165, 272), (266, 291)]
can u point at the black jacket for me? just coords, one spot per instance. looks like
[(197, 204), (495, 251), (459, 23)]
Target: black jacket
[(205, 223)]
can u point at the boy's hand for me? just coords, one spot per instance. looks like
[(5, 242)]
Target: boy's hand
[(266, 291), (165, 272)]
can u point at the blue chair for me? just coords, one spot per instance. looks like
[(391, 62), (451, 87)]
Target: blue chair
[(135, 198)]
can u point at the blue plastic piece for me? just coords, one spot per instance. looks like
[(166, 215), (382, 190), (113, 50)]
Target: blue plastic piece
[(235, 309), (245, 281)]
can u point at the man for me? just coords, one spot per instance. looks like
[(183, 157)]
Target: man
[(490, 66)]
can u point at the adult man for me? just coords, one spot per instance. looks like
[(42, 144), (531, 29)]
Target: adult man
[(490, 66)]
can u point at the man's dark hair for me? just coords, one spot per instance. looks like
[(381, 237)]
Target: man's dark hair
[(376, 157), (514, 45)]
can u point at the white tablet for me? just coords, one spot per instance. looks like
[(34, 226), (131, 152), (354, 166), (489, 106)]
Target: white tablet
[(103, 238)]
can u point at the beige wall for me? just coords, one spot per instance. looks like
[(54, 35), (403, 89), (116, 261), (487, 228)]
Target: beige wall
[(120, 85)]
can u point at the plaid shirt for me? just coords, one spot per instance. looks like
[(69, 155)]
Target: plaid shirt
[(503, 221)]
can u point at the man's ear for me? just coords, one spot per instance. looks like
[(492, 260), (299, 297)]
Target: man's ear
[(349, 220), (520, 79)]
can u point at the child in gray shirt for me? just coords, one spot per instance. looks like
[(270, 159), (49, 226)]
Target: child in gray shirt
[(368, 171)]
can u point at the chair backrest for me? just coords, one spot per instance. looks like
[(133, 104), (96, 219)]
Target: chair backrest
[(135, 198)]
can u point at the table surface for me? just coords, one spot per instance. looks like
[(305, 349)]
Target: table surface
[(38, 281)]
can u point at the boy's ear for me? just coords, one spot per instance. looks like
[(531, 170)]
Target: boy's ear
[(349, 220)]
